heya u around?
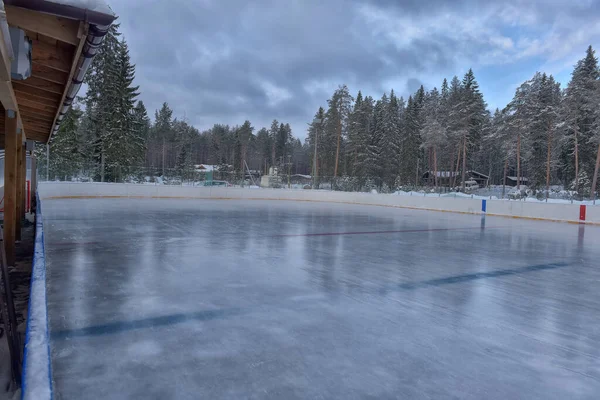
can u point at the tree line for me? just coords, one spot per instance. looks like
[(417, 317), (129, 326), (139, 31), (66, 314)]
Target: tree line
[(545, 135)]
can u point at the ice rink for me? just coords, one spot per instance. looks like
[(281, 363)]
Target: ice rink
[(190, 299)]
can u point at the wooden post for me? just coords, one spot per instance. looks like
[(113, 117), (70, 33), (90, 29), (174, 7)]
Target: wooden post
[(24, 180), (20, 183), (33, 177), (10, 184)]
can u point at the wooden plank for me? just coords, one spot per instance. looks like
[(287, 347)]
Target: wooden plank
[(35, 117), (34, 178), (84, 32), (20, 87), (36, 136), (55, 57), (36, 129), (24, 180), (26, 110), (36, 102), (20, 180), (55, 27), (49, 74), (44, 85), (10, 185), (36, 125)]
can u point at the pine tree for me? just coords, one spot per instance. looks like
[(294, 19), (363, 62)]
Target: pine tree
[(66, 154), (314, 142), (391, 140), (433, 131), (274, 133), (263, 143), (244, 135), (161, 134), (102, 95), (142, 121), (579, 115), (336, 120), (374, 157)]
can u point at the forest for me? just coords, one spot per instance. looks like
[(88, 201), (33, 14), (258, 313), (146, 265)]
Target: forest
[(546, 135)]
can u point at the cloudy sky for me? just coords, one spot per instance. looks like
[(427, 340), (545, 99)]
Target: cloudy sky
[(224, 61)]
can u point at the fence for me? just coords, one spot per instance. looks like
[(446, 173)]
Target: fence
[(222, 176)]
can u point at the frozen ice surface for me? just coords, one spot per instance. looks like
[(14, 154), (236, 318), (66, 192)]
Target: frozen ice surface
[(189, 299)]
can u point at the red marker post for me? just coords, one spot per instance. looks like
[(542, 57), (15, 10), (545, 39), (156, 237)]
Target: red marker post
[(582, 212)]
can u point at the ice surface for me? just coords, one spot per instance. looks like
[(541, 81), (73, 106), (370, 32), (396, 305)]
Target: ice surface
[(93, 5), (36, 368), (193, 299)]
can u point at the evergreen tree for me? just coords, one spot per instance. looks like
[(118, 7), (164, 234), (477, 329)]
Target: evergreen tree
[(263, 143), (579, 115), (66, 154), (336, 121), (433, 131), (244, 136), (391, 140)]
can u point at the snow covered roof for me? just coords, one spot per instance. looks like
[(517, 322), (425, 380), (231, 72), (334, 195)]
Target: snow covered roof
[(443, 174), (514, 178), (57, 45), (206, 167), (91, 5), (96, 12)]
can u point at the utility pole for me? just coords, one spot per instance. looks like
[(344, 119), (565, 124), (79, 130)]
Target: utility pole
[(317, 121)]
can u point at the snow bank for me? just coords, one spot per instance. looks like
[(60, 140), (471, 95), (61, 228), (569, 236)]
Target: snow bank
[(37, 378), (99, 6)]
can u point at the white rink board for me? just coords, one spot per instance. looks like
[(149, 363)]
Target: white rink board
[(519, 209)]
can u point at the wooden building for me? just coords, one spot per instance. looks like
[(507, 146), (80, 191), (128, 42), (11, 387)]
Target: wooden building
[(46, 46)]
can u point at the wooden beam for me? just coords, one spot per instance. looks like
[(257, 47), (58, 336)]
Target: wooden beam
[(10, 185), (44, 85), (49, 74), (20, 180), (84, 27), (55, 27), (40, 93), (54, 57), (36, 102)]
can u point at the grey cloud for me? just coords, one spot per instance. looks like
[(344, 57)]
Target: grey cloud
[(211, 59)]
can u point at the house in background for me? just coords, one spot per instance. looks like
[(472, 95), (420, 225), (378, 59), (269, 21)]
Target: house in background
[(512, 181), (447, 178)]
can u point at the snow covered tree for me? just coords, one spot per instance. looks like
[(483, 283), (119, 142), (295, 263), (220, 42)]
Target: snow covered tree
[(579, 117), (336, 121), (374, 163), (66, 154), (274, 133), (391, 140), (263, 144), (433, 132), (244, 137)]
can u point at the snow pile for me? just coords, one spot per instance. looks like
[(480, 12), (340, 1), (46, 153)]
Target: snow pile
[(99, 6), (37, 381)]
